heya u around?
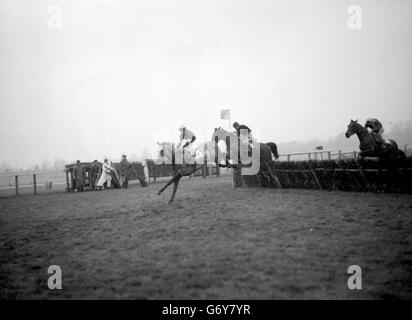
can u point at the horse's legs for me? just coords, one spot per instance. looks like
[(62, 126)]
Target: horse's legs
[(175, 189), (180, 175), (169, 183), (271, 175)]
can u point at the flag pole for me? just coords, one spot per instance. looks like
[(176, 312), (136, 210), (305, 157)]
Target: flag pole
[(229, 120)]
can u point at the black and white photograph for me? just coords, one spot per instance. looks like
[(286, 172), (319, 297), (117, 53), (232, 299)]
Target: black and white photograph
[(205, 150)]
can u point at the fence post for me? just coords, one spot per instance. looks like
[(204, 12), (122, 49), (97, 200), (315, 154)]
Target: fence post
[(310, 158), (329, 157), (34, 184), (217, 157), (67, 180), (204, 171), (340, 155), (237, 180), (289, 157), (354, 154), (16, 179)]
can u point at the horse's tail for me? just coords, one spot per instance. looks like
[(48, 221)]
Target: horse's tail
[(394, 144), (274, 148)]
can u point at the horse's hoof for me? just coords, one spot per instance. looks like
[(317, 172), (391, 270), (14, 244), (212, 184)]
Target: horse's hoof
[(159, 193)]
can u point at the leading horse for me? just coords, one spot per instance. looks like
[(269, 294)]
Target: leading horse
[(185, 162), (368, 145)]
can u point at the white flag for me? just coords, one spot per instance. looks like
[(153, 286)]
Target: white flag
[(225, 114)]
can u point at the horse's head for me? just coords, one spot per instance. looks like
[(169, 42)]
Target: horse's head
[(352, 128), (221, 134)]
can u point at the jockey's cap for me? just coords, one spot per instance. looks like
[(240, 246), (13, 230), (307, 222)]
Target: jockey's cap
[(235, 124)]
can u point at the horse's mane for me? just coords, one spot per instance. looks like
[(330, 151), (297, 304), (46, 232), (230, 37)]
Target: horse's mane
[(224, 130), (355, 122)]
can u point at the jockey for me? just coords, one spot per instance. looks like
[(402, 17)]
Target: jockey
[(242, 136), (186, 138), (377, 130)]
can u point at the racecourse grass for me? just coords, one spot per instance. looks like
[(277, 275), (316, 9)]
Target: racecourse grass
[(213, 242)]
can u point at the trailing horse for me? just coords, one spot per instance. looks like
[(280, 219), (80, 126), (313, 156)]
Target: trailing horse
[(369, 146)]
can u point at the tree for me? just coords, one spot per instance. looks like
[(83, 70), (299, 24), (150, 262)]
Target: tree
[(58, 164), (5, 167), (45, 165)]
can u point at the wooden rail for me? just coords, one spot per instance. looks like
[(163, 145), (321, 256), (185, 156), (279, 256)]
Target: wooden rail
[(327, 154), (29, 179), (16, 184), (321, 155)]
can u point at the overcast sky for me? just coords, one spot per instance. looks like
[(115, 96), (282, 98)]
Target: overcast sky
[(120, 75)]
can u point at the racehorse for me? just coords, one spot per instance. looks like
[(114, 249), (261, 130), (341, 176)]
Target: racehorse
[(266, 149), (185, 163), (233, 155), (368, 145)]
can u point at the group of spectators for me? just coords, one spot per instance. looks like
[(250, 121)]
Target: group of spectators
[(102, 175)]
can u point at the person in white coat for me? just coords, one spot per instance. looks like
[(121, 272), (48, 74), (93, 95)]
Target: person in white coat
[(106, 176)]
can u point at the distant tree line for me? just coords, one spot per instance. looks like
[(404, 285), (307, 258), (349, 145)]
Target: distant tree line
[(56, 164), (401, 132)]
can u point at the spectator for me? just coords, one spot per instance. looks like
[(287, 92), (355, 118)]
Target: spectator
[(79, 174), (105, 178), (95, 171), (124, 172)]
